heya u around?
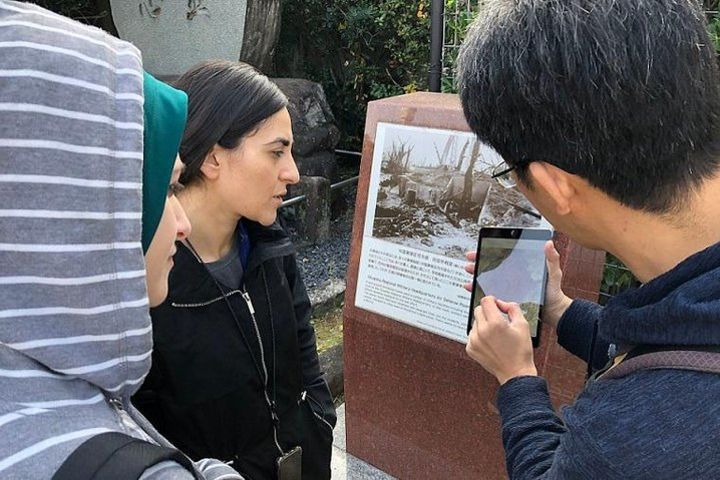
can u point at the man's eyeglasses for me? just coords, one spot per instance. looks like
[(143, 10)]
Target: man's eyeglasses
[(502, 174)]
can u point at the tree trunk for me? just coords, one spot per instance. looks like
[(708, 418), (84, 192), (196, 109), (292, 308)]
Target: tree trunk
[(262, 30), (458, 167)]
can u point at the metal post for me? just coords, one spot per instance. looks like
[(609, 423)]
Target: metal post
[(436, 43)]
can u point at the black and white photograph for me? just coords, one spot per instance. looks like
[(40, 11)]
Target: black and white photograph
[(436, 190)]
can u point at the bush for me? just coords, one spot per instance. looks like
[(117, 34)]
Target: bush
[(92, 12), (77, 9), (359, 50)]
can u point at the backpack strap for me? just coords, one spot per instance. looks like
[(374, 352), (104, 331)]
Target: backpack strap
[(650, 357), (118, 456)]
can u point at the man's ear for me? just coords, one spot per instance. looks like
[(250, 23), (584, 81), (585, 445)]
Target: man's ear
[(211, 165), (555, 184)]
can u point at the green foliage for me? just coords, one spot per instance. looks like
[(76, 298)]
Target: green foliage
[(714, 28), (616, 277), (77, 9), (359, 50), (457, 20), (91, 12)]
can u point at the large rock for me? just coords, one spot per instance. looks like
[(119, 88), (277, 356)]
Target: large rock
[(320, 164), (313, 122)]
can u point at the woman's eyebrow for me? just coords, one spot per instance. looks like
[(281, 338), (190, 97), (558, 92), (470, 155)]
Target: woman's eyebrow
[(282, 140)]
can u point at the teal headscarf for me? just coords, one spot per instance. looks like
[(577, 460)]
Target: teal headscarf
[(165, 115)]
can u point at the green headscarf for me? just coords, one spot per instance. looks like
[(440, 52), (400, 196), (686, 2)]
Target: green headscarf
[(165, 115)]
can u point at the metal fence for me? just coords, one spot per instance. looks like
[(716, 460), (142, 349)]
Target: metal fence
[(458, 16), (617, 278)]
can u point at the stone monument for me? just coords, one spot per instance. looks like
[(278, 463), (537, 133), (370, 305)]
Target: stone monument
[(175, 35), (416, 406)]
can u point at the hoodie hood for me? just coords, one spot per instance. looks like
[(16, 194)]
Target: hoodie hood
[(680, 307), (73, 299), (165, 113)]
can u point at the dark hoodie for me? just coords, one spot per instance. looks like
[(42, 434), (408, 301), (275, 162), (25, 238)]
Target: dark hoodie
[(654, 424)]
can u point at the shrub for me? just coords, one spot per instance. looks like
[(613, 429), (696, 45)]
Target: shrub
[(359, 50), (81, 10), (92, 12)]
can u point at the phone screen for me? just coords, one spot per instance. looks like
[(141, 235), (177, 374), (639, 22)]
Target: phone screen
[(511, 266)]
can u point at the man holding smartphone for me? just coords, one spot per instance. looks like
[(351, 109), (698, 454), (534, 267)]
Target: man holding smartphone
[(607, 113)]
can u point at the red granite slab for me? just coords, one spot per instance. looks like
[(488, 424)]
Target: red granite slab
[(416, 406)]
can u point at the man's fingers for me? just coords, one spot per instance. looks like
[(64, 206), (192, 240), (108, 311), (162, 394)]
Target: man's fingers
[(502, 305), (471, 256), (511, 309), (553, 261), (491, 311), (514, 312), (479, 315)]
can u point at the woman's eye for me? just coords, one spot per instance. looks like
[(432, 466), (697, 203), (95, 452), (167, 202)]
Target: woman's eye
[(175, 188), (278, 153)]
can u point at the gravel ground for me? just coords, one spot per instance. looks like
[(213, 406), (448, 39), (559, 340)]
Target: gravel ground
[(323, 266)]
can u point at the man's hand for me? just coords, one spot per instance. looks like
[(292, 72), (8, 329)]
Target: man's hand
[(556, 302), (501, 344)]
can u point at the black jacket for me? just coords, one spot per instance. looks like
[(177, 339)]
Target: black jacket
[(205, 392)]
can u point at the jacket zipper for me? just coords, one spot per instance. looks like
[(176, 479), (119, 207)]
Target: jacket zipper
[(126, 421), (271, 405), (205, 304), (304, 397)]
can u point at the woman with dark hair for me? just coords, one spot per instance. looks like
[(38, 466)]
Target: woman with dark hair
[(235, 369)]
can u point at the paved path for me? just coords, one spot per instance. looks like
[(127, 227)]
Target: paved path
[(346, 466)]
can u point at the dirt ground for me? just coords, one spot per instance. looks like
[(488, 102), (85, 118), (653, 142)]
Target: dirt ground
[(328, 328)]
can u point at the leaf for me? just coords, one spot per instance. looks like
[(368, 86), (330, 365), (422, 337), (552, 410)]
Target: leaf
[(156, 11)]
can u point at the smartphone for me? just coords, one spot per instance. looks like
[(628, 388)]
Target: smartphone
[(511, 266), (289, 466)]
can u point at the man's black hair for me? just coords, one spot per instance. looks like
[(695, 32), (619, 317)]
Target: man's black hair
[(624, 93)]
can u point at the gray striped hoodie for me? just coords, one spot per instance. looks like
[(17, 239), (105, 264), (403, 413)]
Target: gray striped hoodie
[(75, 332)]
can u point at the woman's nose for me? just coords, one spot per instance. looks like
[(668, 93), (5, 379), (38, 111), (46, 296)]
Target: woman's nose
[(290, 173), (183, 223)]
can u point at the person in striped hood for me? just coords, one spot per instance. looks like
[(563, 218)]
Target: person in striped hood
[(84, 209)]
